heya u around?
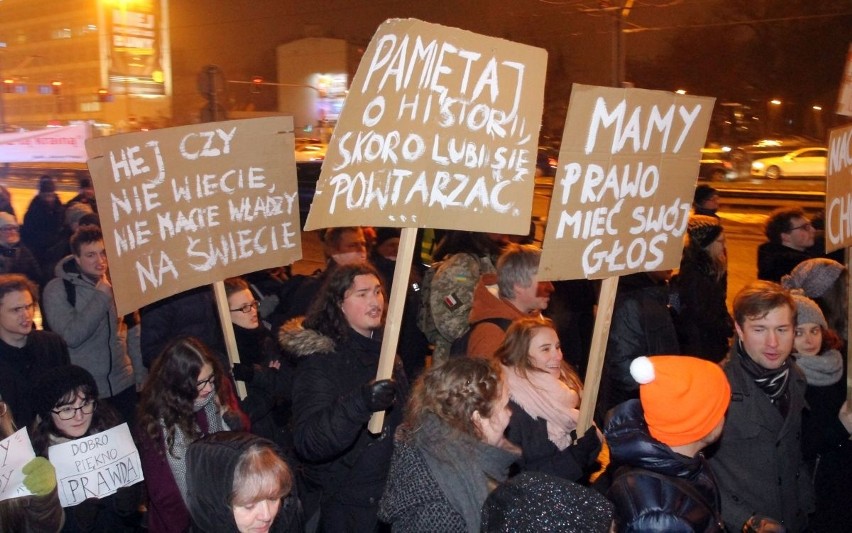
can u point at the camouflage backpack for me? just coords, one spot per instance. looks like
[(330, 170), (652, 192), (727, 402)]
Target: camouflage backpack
[(446, 297)]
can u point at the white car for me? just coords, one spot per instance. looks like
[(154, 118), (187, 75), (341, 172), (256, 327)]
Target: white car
[(804, 162)]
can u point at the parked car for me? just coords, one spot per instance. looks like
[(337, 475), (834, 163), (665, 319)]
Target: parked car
[(310, 152), (804, 162), (716, 164)]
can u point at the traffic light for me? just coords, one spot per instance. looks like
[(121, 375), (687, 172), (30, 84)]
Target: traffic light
[(57, 87), (104, 95), (256, 82)]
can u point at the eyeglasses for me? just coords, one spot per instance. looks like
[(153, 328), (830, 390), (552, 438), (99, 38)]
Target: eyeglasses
[(246, 308), (806, 226), (10, 229), (67, 412), (204, 382)]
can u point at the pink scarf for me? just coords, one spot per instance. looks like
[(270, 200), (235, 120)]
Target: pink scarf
[(542, 395)]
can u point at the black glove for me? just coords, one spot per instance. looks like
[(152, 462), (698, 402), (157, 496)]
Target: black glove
[(587, 448), (378, 395), (243, 372)]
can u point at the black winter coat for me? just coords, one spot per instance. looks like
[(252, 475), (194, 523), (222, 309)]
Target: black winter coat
[(703, 324), (656, 489), (777, 260), (344, 467), (641, 325), (540, 454)]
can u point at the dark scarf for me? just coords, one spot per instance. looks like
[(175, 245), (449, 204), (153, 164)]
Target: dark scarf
[(461, 465), (251, 344), (772, 382)]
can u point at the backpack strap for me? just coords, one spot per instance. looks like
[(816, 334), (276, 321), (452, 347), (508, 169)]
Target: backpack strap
[(70, 292)]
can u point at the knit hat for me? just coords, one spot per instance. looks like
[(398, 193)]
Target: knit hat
[(7, 220), (814, 276), (534, 501), (703, 193), (703, 230), (56, 383), (46, 184), (76, 211), (683, 397), (807, 310)]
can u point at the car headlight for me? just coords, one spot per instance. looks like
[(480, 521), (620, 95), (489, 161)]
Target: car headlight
[(757, 165)]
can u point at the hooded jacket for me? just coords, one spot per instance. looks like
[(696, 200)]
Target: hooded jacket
[(344, 466), (95, 335), (486, 337), (210, 465), (659, 490)]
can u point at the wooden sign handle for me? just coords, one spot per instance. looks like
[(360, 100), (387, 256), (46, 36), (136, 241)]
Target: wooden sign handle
[(597, 352), (228, 331), (396, 304)]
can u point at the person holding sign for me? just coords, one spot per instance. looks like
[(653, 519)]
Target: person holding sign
[(41, 511), (79, 305), (66, 403), (238, 482), (544, 395), (187, 395), (451, 451), (268, 377), (335, 394)]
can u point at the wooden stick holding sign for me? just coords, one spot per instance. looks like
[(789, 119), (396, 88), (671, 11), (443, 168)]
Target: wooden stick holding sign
[(848, 326), (594, 368), (439, 130), (621, 197), (228, 331), (396, 304)]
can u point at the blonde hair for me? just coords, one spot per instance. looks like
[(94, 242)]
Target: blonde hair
[(260, 475)]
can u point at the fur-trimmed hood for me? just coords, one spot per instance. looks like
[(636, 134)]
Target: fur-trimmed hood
[(295, 339)]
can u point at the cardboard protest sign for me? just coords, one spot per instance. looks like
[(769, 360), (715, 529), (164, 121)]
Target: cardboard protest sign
[(439, 129), (188, 206), (838, 190), (15, 452), (625, 182), (95, 466)]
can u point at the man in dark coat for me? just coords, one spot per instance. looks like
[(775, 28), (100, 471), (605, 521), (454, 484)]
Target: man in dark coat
[(15, 258), (662, 482), (43, 221), (790, 238), (758, 462), (335, 394), (25, 353)]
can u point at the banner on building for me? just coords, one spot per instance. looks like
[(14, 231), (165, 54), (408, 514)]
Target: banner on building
[(60, 145)]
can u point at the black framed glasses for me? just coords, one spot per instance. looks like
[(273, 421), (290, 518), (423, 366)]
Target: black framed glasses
[(67, 412), (246, 308), (806, 226), (204, 382)]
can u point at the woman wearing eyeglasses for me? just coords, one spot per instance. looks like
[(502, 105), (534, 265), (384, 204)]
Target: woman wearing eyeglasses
[(268, 376), (65, 400), (187, 396)]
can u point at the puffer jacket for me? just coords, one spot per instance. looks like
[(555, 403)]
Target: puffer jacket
[(210, 464), (656, 489), (95, 335), (344, 466)]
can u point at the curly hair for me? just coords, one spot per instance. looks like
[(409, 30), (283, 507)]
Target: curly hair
[(325, 314), (454, 390), (85, 235), (514, 352), (171, 389), (779, 222)]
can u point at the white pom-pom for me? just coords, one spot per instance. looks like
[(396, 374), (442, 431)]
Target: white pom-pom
[(642, 370)]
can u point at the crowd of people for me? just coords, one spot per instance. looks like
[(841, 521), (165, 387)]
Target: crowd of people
[(705, 421)]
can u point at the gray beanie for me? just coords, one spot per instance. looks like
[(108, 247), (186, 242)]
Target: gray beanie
[(813, 276), (807, 311)]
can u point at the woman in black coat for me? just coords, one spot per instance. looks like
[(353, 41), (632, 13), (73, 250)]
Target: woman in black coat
[(335, 393)]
